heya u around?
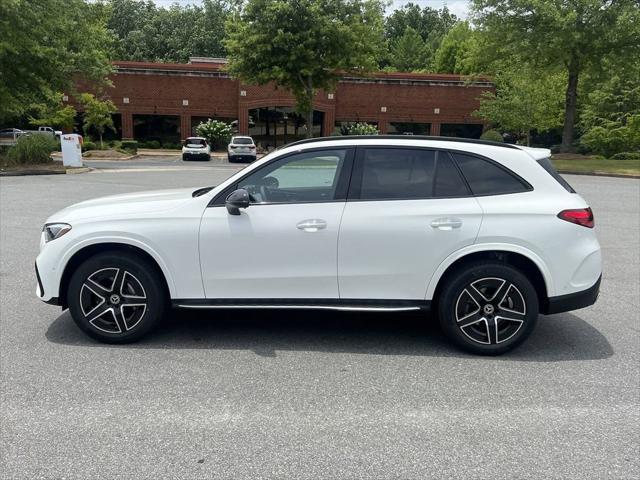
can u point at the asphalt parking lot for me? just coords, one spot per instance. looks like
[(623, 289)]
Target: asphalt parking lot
[(306, 394)]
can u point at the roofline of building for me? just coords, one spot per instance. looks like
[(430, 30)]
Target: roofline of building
[(219, 70)]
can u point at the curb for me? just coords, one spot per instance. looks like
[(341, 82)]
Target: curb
[(599, 174), (24, 173), (110, 159), (77, 170)]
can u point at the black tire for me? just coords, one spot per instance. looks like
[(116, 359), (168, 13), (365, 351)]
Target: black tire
[(506, 304), (184, 158), (230, 159), (134, 299)]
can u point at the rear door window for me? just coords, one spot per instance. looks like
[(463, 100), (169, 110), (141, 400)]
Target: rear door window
[(405, 174), (487, 178)]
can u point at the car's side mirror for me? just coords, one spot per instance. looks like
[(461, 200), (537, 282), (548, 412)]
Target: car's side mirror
[(236, 200)]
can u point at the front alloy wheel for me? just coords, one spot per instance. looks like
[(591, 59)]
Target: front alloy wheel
[(113, 300), (488, 308), (116, 297)]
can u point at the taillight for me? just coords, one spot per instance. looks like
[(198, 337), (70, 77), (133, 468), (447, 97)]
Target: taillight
[(580, 216)]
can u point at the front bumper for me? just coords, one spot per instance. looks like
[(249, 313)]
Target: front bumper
[(40, 290), (573, 301)]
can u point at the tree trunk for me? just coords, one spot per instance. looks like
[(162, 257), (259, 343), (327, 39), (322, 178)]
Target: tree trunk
[(528, 138), (571, 102), (310, 110), (101, 145)]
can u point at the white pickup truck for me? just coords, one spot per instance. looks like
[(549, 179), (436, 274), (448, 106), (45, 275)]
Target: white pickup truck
[(47, 131), (9, 136)]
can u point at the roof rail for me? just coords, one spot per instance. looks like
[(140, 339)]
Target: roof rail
[(402, 137)]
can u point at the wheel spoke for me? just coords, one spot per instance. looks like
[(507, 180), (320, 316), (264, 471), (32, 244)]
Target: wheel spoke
[(476, 295), (97, 286), (140, 310), (470, 319), (94, 292), (134, 283), (106, 289), (105, 311), (502, 291), (119, 318), (492, 330)]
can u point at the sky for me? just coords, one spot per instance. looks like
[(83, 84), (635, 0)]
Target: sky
[(458, 7)]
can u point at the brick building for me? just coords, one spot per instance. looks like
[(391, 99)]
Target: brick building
[(167, 101)]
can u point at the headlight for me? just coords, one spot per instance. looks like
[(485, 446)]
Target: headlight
[(55, 230)]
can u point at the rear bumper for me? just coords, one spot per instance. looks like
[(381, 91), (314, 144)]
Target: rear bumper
[(242, 158), (573, 301), (196, 156)]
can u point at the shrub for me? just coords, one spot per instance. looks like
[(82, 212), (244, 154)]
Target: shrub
[(32, 149), (172, 146), (130, 146), (626, 156), (492, 135), (150, 144), (216, 132), (361, 128), (613, 137), (88, 145)]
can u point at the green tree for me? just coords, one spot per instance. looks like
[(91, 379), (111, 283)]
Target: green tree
[(410, 53), (56, 115), (304, 45), (46, 46), (97, 115), (452, 55), (145, 32), (572, 35), (430, 24), (523, 101)]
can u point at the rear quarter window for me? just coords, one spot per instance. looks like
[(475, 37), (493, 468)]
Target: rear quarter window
[(551, 170), (487, 178)]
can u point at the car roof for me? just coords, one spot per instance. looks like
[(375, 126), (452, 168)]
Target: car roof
[(195, 138), (453, 143), (242, 136)]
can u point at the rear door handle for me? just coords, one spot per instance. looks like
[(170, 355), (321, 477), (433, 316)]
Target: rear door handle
[(312, 225), (446, 223)]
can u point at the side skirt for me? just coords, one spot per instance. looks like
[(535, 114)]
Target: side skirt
[(345, 305)]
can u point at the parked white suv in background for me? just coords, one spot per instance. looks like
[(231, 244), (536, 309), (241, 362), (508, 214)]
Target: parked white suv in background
[(196, 148), (486, 235), (241, 149)]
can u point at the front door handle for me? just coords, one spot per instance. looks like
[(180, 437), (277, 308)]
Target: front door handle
[(446, 223), (312, 225)]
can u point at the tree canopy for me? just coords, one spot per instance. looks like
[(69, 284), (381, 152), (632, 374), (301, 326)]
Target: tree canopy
[(44, 47), (304, 45), (146, 32), (570, 36)]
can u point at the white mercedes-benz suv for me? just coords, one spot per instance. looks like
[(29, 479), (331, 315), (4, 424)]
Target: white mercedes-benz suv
[(485, 235)]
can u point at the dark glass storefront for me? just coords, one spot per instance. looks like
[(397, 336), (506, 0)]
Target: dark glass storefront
[(276, 126)]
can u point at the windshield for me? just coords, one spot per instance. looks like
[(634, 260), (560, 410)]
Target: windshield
[(242, 141), (195, 143)]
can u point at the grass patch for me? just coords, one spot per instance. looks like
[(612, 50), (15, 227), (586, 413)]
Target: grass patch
[(595, 164)]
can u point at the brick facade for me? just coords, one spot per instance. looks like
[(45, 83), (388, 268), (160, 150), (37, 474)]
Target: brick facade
[(206, 90)]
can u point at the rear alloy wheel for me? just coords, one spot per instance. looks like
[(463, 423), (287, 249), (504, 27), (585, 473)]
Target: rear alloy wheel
[(115, 297), (488, 308)]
